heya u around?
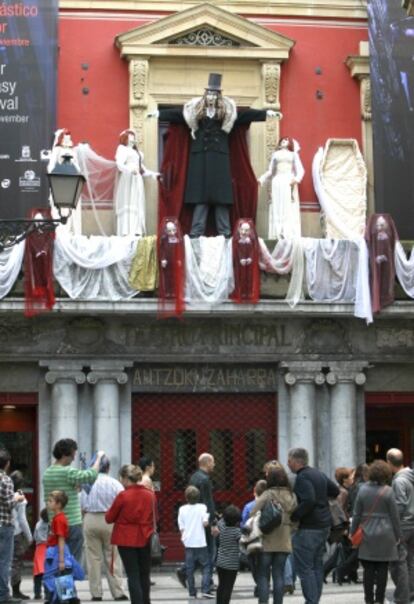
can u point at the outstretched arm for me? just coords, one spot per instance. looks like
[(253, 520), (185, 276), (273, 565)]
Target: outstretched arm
[(256, 115), (174, 116)]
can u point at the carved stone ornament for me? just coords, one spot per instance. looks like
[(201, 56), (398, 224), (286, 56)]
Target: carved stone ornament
[(107, 376), (305, 377), (366, 105), (390, 337), (272, 138), (326, 337), (346, 372), (271, 77), (205, 36), (139, 72), (137, 124), (78, 377)]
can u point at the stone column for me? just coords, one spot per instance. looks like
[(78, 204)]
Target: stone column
[(106, 380), (302, 379), (64, 379), (344, 377)]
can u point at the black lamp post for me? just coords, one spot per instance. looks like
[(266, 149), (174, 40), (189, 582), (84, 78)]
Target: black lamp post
[(66, 184)]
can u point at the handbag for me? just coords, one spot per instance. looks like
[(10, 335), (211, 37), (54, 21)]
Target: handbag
[(357, 537), (65, 587), (156, 549), (270, 517)]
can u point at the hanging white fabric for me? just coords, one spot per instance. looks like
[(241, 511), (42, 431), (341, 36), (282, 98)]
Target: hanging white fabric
[(287, 257), (100, 174), (94, 268), (404, 268), (208, 269), (340, 181), (363, 305), (331, 269), (11, 260)]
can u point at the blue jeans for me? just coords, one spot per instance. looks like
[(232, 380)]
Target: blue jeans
[(308, 549), (274, 561), (75, 542), (6, 555), (192, 556), (290, 572)]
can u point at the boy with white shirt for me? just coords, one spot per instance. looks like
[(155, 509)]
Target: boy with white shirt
[(192, 520)]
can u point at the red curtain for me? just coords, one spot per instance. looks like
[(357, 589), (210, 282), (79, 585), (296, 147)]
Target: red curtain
[(38, 268), (245, 187), (174, 173)]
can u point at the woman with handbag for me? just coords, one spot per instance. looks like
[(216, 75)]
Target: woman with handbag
[(277, 544), (133, 516), (376, 530)]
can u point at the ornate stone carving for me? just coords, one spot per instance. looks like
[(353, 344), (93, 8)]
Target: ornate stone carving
[(138, 74), (107, 376), (272, 138), (205, 36), (271, 79), (347, 371), (366, 105), (326, 336), (137, 123), (78, 377), (390, 337), (304, 372)]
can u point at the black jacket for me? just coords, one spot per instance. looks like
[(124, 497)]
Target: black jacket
[(312, 488), (201, 480), (209, 178)]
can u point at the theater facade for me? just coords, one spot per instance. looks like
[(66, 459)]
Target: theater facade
[(243, 381)]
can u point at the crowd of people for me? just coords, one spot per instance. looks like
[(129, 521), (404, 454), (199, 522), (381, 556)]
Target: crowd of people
[(299, 524)]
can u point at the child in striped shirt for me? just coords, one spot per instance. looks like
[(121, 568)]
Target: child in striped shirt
[(228, 554)]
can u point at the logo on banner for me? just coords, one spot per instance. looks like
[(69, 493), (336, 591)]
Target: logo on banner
[(26, 154), (29, 180), (5, 183), (45, 154)]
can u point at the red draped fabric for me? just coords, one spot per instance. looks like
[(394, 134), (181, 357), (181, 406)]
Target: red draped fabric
[(245, 263), (174, 173), (171, 264), (38, 268), (381, 236), (245, 188)]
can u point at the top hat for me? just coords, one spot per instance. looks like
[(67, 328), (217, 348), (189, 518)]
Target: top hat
[(214, 81)]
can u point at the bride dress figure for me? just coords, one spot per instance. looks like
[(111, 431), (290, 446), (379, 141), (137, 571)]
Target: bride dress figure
[(286, 171), (63, 147), (129, 188)]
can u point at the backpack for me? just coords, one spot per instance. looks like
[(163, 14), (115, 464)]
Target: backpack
[(270, 517)]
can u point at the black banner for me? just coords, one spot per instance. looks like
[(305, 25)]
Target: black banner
[(28, 52), (391, 34)]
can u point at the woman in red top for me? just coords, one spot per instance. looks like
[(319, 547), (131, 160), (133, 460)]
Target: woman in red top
[(132, 513)]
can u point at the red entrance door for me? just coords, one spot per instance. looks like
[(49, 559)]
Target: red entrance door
[(18, 429), (238, 429)]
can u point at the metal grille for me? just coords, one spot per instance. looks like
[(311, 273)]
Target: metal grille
[(173, 429)]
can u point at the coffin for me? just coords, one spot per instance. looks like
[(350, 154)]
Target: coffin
[(340, 181)]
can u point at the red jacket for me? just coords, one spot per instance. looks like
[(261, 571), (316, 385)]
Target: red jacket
[(132, 513)]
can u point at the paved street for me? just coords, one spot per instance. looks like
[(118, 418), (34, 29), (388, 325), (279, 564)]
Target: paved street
[(168, 591)]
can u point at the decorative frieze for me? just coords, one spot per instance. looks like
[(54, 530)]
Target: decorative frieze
[(138, 79), (271, 82), (366, 105)]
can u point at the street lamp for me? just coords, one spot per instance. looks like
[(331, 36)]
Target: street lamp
[(66, 184)]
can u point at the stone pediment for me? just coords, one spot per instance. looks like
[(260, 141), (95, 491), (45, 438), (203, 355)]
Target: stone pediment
[(176, 35)]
